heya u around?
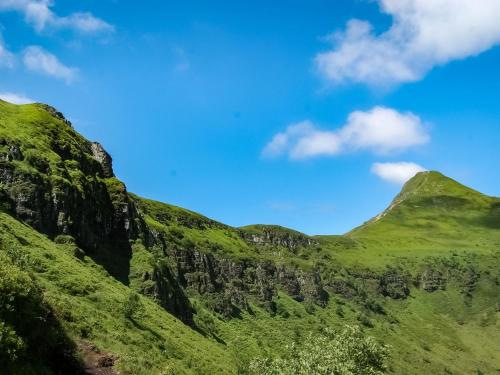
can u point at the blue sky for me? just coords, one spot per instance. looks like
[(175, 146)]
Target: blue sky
[(307, 114)]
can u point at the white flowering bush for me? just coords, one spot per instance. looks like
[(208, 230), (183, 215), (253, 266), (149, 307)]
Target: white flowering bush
[(347, 352)]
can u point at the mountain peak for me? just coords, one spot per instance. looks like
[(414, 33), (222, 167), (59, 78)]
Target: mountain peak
[(433, 183), (433, 190)]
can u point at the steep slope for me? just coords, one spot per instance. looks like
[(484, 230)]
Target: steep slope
[(89, 304), (433, 214), (62, 185), (221, 296), (431, 197)]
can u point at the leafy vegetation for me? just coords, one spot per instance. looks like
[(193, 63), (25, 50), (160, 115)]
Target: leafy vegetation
[(133, 308), (347, 352), (31, 340)]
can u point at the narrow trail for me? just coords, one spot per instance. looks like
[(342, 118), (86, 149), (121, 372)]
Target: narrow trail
[(97, 363)]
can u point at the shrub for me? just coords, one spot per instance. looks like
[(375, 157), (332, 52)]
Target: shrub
[(309, 307), (339, 311), (347, 352), (37, 161), (6, 203), (176, 233), (64, 239), (281, 311), (10, 343), (188, 243), (374, 306), (205, 321), (363, 319), (30, 335), (133, 308)]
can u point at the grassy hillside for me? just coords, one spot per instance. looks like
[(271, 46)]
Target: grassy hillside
[(425, 330), (157, 289), (433, 215), (89, 304)]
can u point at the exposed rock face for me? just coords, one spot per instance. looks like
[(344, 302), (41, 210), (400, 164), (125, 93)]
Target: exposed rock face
[(394, 284), (275, 236), (10, 152), (229, 283), (302, 286), (342, 287), (76, 195), (103, 158), (165, 289), (431, 280), (58, 207), (98, 214), (54, 112)]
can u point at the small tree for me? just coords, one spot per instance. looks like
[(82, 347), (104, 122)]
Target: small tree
[(133, 308), (347, 352)]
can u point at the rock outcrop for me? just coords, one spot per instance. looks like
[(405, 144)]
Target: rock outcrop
[(229, 283), (103, 158), (273, 235), (70, 191)]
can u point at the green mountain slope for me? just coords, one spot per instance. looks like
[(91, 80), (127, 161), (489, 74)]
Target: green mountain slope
[(433, 214), (90, 304), (151, 288)]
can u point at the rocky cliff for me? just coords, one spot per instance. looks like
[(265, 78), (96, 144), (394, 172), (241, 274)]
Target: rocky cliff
[(62, 185)]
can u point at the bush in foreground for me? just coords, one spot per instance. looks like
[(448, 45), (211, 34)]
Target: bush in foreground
[(31, 339), (347, 352)]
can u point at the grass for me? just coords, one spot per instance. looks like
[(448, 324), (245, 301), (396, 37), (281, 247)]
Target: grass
[(437, 232), (433, 215), (88, 303), (418, 233), (424, 337), (47, 143)]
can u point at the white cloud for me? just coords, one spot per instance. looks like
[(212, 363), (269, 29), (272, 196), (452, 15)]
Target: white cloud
[(40, 16), (301, 140), (423, 34), (397, 173), (85, 22), (316, 143), (381, 130), (6, 57), (15, 98), (37, 59)]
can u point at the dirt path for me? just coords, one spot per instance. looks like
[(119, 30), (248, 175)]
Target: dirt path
[(97, 363)]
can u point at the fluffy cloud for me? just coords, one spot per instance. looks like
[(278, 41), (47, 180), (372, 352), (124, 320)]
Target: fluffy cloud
[(381, 130), (39, 14), (303, 140), (15, 98), (6, 57), (423, 34), (37, 59), (397, 173), (384, 130)]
